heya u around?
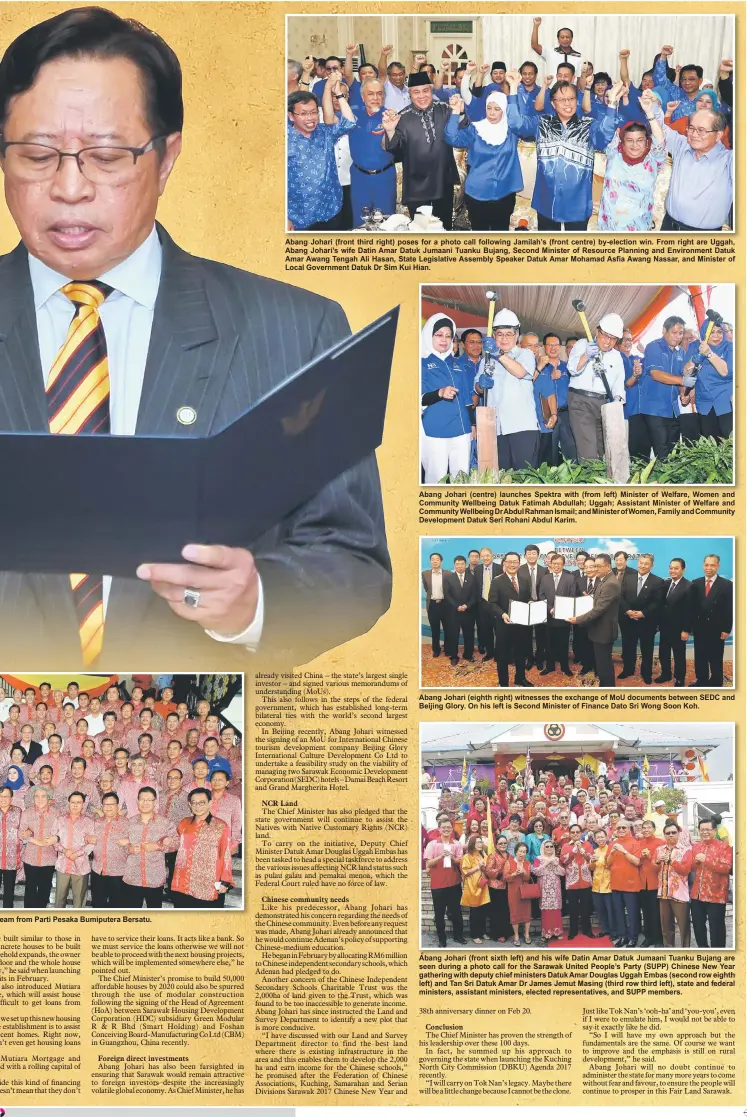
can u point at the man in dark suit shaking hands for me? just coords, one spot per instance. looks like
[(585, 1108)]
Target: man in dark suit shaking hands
[(711, 619), (641, 603), (107, 326), (512, 641), (461, 594), (601, 622)]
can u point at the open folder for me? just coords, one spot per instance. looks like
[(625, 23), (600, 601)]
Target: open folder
[(566, 607), (527, 612), (227, 488)]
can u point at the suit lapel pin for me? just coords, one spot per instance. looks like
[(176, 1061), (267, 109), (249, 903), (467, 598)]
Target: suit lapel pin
[(186, 416)]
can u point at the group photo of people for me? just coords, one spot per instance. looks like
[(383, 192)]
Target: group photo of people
[(121, 791), (577, 836), (577, 612), (550, 384), (599, 123)]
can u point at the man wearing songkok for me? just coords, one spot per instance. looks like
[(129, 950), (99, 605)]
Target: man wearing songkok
[(416, 137)]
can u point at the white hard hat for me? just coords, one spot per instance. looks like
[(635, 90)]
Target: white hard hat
[(612, 324), (506, 318)]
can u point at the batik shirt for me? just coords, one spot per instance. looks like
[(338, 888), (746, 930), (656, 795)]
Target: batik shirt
[(314, 191)]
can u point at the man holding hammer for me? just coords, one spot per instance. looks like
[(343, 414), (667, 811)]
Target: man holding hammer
[(597, 377)]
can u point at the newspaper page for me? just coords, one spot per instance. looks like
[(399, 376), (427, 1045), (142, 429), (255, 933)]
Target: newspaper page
[(435, 695)]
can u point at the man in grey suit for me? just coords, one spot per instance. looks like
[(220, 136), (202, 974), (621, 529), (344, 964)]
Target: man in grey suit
[(91, 129), (601, 621)]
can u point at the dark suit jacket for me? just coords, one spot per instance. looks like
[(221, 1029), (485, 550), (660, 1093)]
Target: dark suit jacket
[(568, 586), (601, 622), (648, 601), (524, 576), (502, 593), (713, 614), (456, 593), (221, 339), (627, 587), (676, 607), (495, 571)]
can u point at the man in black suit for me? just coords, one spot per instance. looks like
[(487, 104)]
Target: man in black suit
[(640, 601), (711, 621), (674, 619), (601, 623), (557, 583), (460, 597), (186, 345), (628, 580), (433, 584), (511, 640), (532, 572), (583, 652), (484, 575)]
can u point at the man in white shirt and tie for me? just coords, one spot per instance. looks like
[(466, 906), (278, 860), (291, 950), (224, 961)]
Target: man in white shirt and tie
[(433, 584), (587, 394)]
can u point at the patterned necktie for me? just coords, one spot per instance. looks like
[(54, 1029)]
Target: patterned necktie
[(78, 403), (515, 584)]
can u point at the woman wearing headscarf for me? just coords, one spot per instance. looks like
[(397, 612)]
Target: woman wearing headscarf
[(10, 845), (445, 395), (499, 922), (475, 892), (16, 781), (202, 871), (575, 856), (548, 871), (635, 156), (494, 170), (714, 387), (708, 100), (19, 758), (516, 873)]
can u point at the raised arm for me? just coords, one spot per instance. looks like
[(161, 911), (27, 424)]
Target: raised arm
[(624, 55), (519, 123), (347, 68), (384, 61), (328, 108), (649, 105), (539, 100), (536, 45)]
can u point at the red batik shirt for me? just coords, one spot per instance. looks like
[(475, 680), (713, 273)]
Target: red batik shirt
[(711, 881), (204, 858), (147, 869), (10, 838), (109, 857)]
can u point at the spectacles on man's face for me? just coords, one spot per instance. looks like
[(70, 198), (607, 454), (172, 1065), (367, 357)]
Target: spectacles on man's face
[(113, 166), (701, 133)]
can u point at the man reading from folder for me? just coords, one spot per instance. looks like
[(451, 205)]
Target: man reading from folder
[(107, 326)]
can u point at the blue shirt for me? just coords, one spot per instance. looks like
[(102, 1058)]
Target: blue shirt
[(314, 191), (701, 191), (632, 404), (631, 111), (526, 98), (712, 391), (660, 399), (476, 108), (494, 169), (672, 92), (447, 418), (565, 159), (365, 145), (543, 387), (560, 386)]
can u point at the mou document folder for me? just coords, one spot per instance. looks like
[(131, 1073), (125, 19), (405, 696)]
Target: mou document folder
[(529, 613), (566, 607), (146, 496)]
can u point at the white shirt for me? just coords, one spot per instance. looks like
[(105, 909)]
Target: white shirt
[(395, 98), (437, 585), (5, 707), (127, 318), (588, 381), (95, 723), (513, 397)]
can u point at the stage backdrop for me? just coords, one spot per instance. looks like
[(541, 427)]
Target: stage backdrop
[(663, 548)]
